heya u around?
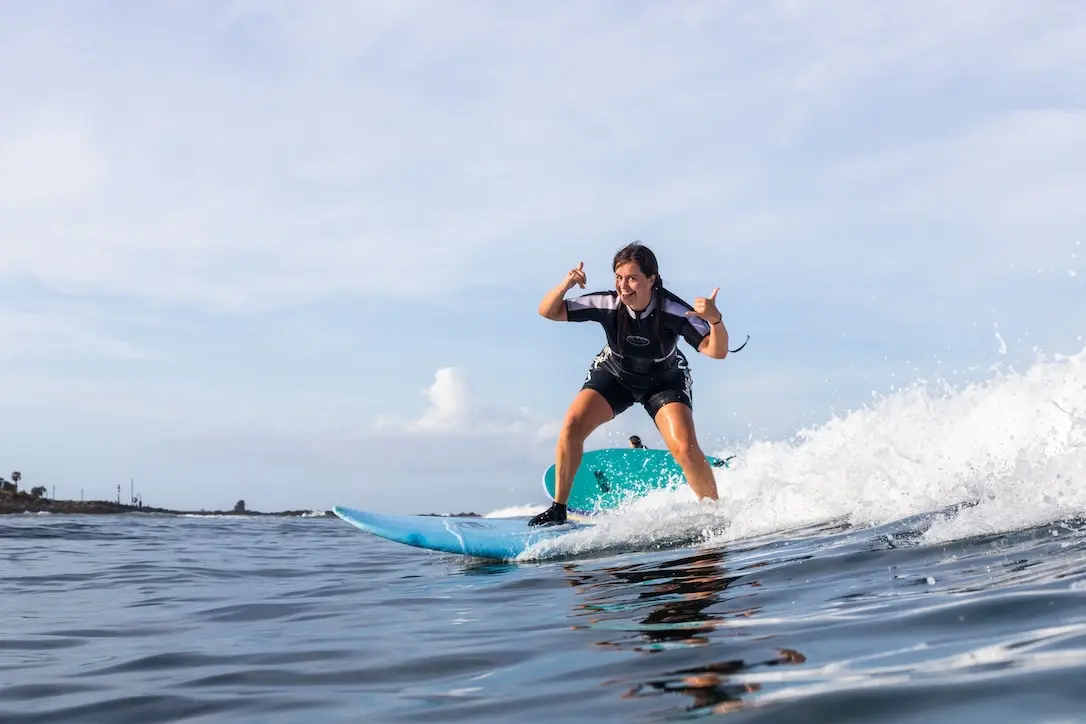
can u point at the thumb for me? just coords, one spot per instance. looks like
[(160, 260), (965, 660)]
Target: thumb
[(580, 266), (713, 295)]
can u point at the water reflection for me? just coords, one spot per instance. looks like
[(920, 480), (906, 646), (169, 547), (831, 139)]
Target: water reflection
[(675, 604), (677, 594), (709, 685)]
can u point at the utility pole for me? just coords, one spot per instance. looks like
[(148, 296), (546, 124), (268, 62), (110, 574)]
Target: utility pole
[(118, 493)]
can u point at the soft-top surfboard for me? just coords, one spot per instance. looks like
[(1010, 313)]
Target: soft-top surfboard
[(499, 538), (609, 477)]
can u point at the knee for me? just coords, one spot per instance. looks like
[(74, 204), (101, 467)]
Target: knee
[(685, 449), (575, 428)]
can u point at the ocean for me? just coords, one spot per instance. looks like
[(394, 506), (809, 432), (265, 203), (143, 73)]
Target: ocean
[(922, 559)]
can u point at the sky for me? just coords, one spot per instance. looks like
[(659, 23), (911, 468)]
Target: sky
[(291, 253)]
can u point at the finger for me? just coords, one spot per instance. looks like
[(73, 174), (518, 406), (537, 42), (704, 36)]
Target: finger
[(713, 295)]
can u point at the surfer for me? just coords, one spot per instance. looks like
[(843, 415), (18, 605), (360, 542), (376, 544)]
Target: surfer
[(641, 362), (635, 443)]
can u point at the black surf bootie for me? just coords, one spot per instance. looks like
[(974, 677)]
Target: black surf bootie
[(551, 516)]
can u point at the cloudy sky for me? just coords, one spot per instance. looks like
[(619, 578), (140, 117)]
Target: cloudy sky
[(292, 252)]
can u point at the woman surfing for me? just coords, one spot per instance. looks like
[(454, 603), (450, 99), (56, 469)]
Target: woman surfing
[(640, 363)]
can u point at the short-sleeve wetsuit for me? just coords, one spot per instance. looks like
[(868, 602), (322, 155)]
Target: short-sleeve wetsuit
[(645, 366)]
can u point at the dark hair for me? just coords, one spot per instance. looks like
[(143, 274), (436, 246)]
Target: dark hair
[(638, 252), (635, 441), (646, 261)]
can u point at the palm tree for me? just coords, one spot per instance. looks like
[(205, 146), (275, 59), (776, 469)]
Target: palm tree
[(16, 477)]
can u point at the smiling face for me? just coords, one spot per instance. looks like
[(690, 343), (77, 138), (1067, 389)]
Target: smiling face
[(633, 287)]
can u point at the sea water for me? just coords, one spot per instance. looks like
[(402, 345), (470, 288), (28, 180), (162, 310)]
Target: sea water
[(922, 559)]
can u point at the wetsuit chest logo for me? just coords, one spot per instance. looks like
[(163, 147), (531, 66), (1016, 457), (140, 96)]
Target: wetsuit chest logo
[(637, 341)]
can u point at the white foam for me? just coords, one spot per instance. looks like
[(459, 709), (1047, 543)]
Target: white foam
[(646, 524), (1016, 443)]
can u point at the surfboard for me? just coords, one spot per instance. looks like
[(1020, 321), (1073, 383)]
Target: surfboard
[(609, 477), (497, 538)]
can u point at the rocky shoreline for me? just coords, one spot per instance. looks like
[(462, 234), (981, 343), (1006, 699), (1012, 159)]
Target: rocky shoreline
[(21, 504)]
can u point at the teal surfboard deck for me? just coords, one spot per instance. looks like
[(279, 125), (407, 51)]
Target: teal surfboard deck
[(498, 538), (610, 477)]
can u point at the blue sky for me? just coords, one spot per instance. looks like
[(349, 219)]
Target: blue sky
[(292, 252)]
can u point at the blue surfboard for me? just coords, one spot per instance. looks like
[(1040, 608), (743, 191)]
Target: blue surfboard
[(498, 538), (609, 477)]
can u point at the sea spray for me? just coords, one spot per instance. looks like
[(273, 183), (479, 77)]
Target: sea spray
[(1014, 444)]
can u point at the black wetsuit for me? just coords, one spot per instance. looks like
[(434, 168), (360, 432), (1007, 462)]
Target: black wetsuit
[(645, 365)]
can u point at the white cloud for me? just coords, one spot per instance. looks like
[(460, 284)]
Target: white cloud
[(455, 409), (450, 405)]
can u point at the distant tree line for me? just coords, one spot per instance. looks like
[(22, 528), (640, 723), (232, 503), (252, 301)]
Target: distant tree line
[(12, 487)]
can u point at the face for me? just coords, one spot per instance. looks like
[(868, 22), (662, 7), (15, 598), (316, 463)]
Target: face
[(633, 287)]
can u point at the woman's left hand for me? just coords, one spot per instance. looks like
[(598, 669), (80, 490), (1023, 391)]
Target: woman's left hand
[(705, 307)]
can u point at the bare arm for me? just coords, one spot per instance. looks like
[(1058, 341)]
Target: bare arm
[(553, 306), (716, 344)]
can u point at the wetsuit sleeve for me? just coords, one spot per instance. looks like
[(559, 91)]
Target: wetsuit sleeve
[(694, 330), (591, 307)]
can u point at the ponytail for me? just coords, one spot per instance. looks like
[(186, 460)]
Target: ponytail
[(658, 287), (620, 326)]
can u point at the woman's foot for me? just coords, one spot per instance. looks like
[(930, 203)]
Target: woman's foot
[(551, 516)]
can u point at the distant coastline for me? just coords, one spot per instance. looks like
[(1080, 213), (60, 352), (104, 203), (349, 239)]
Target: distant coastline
[(21, 503), (24, 503)]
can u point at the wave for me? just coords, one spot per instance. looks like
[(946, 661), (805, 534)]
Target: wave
[(1012, 447)]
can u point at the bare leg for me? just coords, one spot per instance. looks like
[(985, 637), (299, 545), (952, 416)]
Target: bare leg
[(676, 424), (588, 411)]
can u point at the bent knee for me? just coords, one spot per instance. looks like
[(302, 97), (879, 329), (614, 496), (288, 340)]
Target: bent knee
[(588, 411), (576, 427), (685, 450)]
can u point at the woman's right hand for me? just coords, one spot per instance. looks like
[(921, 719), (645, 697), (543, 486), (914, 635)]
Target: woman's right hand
[(576, 277)]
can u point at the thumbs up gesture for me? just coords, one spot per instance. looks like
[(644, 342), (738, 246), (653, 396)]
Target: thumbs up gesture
[(705, 307)]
